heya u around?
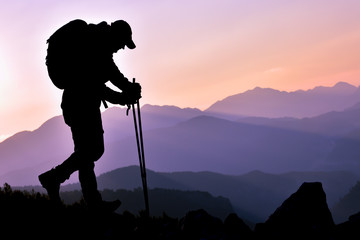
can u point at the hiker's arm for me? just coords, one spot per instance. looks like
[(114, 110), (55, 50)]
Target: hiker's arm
[(117, 78), (121, 82), (116, 97)]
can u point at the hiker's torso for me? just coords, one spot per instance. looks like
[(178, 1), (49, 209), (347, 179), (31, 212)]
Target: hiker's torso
[(93, 69)]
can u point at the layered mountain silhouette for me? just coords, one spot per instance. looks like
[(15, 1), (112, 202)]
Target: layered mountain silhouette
[(253, 148), (201, 143), (267, 102), (192, 140), (332, 124)]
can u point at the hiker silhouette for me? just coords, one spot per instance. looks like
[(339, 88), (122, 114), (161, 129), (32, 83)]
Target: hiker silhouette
[(80, 61)]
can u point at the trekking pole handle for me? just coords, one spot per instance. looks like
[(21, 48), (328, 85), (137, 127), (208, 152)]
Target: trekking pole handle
[(129, 105)]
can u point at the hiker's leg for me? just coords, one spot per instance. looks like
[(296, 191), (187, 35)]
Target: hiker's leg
[(91, 195), (52, 179), (87, 134), (94, 150), (65, 169), (88, 148), (88, 184), (89, 143)]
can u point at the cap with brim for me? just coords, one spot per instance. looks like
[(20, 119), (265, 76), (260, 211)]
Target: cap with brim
[(130, 44), (123, 28)]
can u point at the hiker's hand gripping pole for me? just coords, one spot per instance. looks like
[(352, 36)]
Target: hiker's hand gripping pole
[(140, 147)]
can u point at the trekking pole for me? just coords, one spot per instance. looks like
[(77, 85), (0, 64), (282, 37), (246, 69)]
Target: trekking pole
[(140, 147)]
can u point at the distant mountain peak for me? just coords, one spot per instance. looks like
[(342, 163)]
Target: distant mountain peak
[(268, 102), (150, 107), (340, 88), (344, 84), (345, 87), (263, 90)]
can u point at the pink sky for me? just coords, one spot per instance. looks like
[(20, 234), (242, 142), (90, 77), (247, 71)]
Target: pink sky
[(190, 53)]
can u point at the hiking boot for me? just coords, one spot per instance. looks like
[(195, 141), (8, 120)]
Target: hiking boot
[(104, 206), (50, 182)]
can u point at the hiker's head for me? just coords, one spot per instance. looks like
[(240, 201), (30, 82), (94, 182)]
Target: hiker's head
[(121, 35)]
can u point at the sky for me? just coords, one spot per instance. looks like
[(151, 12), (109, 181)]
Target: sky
[(190, 53)]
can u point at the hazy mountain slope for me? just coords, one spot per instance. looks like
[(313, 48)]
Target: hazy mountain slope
[(27, 154), (347, 205), (346, 152), (267, 102), (117, 125), (203, 143), (329, 124), (211, 144), (39, 148)]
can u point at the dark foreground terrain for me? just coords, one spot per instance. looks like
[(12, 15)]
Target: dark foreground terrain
[(304, 215)]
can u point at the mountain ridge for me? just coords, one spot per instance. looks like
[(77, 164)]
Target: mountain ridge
[(198, 139), (268, 102), (232, 116), (179, 139)]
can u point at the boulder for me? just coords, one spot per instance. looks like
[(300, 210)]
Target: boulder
[(304, 215)]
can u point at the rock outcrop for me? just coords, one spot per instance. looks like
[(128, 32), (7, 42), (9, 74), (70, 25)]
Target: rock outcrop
[(304, 215)]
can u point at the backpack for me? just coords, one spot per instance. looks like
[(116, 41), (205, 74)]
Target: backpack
[(65, 49)]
